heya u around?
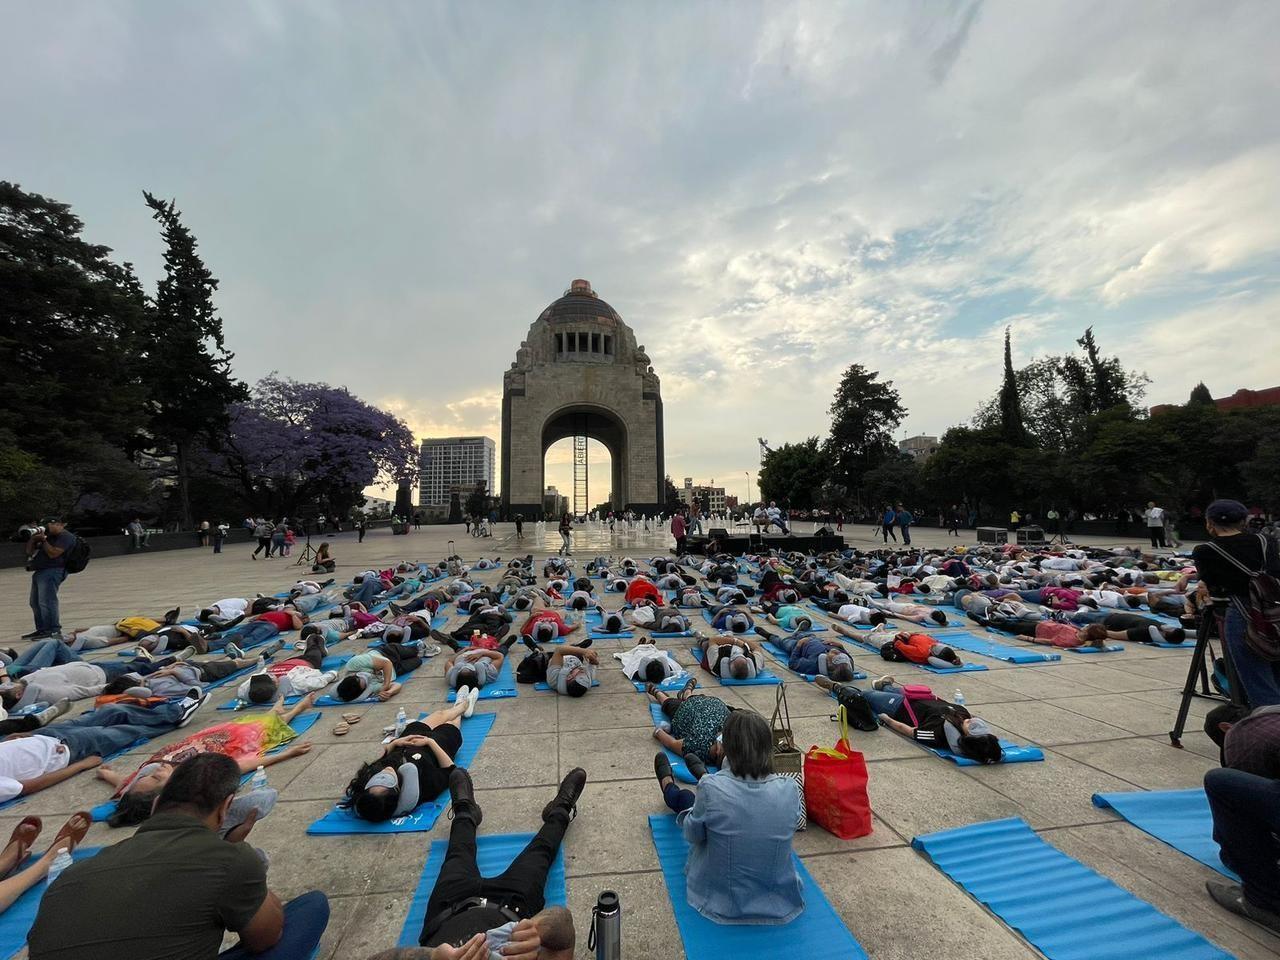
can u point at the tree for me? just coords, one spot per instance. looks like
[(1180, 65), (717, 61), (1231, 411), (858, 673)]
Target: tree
[(1011, 427), (297, 443), (896, 480), (1262, 475), (671, 496), (1200, 396), (864, 415), (478, 500), (793, 473), (185, 360), (69, 340)]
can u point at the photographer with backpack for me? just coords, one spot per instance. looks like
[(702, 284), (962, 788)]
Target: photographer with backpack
[(52, 552), (1242, 568)]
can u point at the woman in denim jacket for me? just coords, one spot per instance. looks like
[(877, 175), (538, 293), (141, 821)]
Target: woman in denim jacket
[(739, 828)]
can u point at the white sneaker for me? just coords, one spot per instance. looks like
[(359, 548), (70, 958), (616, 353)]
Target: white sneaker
[(472, 697), (463, 692)]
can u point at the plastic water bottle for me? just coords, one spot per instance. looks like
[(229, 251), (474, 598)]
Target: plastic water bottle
[(60, 863), (958, 699), (259, 781), (402, 720)]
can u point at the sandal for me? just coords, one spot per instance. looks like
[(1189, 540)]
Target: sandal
[(75, 828), (352, 718), (341, 729), (16, 837)]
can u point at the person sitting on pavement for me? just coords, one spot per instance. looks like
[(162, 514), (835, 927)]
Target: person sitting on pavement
[(412, 769), (210, 886), (472, 916), (739, 827)]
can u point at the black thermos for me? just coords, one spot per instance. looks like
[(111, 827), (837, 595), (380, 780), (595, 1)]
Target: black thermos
[(606, 926)]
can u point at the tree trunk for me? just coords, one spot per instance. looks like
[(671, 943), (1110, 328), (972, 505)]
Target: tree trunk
[(184, 484)]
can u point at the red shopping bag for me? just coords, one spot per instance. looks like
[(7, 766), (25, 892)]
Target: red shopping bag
[(835, 787)]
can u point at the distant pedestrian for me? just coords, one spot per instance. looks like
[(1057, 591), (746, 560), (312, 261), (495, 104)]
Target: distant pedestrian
[(361, 526), (886, 524), (47, 561), (219, 536), (417, 521), (953, 523), (904, 520), (839, 520), (262, 533), (1155, 524), (277, 539), (566, 529), (204, 533), (678, 530), (519, 526), (289, 540)]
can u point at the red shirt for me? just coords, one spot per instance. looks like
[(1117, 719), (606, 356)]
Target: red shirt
[(282, 620), (642, 589), (677, 526), (915, 648), (541, 615)]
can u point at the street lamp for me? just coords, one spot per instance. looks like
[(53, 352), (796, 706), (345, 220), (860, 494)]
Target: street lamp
[(748, 474)]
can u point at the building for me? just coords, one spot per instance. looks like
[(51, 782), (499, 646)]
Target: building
[(1239, 400), (377, 505), (706, 497), (449, 462), (920, 447), (554, 503)]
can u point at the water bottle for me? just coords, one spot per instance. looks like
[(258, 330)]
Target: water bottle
[(60, 863), (606, 927), (402, 721), (958, 699), (259, 781)]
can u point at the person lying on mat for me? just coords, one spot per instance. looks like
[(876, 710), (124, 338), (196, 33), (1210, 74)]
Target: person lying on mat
[(411, 769), (739, 828), (208, 886), (371, 675), (645, 662), (808, 655), (122, 631), (915, 612), (1051, 633), (919, 648), (57, 751), (851, 612), (571, 671), (295, 676), (473, 668), (642, 588), (471, 917), (734, 658), (49, 671), (248, 741), (925, 718), (1136, 628), (13, 885), (175, 678), (692, 726), (791, 618), (544, 626), (731, 619)]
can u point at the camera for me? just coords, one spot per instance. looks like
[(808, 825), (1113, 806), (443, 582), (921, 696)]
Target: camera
[(27, 531)]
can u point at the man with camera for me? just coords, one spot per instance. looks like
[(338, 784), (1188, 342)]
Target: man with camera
[(46, 559)]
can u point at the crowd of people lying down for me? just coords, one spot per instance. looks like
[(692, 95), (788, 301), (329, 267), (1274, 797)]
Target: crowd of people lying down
[(520, 621)]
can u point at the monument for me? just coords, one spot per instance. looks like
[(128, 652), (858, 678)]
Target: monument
[(579, 373)]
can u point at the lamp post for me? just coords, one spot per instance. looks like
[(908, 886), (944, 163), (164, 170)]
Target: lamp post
[(748, 475)]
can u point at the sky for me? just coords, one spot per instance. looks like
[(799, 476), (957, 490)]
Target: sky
[(391, 192)]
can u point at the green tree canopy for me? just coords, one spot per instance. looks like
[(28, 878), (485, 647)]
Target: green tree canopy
[(865, 412), (793, 474)]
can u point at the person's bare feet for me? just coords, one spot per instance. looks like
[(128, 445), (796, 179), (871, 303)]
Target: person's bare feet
[(25, 833), (74, 829)]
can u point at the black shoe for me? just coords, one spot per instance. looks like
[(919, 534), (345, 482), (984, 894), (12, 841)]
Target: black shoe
[(441, 637), (463, 794), (567, 799), (583, 643), (529, 642), (396, 608), (695, 765), (171, 617), (662, 767), (33, 635), (1231, 896)]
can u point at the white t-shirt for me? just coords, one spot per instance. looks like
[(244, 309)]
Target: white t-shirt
[(232, 607), (1155, 517), (853, 613), (71, 681), (27, 758)]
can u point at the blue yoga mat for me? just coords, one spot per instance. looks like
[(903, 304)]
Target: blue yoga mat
[(763, 678), (328, 700), (1065, 910), (710, 618), (964, 640), (817, 932), (678, 767), (300, 725), (1110, 648), (1180, 818), (668, 685), (780, 655), (672, 636), (875, 648), (16, 922), (329, 663), (494, 853), (424, 816), (544, 687), (503, 685), (595, 624)]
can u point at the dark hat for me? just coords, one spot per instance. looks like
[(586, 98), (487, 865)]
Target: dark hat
[(1226, 512)]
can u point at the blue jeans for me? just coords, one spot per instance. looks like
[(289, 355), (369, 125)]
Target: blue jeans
[(305, 918), (1259, 678), (41, 654), (367, 590), (1246, 820), (906, 533), (246, 635), (44, 598), (112, 728), (885, 701)]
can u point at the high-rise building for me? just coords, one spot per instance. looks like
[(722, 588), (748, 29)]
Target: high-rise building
[(449, 462), (709, 497)]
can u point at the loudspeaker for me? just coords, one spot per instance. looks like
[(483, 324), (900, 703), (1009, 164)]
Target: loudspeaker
[(824, 532), (718, 533)]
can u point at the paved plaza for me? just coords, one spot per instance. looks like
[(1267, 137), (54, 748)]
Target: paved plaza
[(1102, 722)]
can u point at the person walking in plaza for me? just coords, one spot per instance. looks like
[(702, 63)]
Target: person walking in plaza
[(905, 519), (262, 533), (47, 561), (678, 530), (220, 535), (566, 528), (1155, 524), (520, 525), (953, 522), (886, 524)]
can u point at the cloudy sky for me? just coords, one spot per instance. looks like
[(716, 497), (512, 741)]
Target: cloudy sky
[(391, 192)]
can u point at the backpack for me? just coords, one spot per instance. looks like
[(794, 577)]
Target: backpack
[(857, 708), (533, 668), (77, 555), (1261, 609)]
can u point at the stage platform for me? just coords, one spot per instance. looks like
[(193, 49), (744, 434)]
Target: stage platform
[(742, 542)]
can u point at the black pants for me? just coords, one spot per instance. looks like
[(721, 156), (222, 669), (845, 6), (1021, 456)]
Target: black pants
[(484, 625), (403, 657), (1157, 536), (213, 670), (264, 543), (886, 531), (519, 887), (680, 541)]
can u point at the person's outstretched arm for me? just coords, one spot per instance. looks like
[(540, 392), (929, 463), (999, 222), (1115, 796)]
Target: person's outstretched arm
[(46, 780)]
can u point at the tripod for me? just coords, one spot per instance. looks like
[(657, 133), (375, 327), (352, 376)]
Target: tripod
[(308, 554), (1200, 668)]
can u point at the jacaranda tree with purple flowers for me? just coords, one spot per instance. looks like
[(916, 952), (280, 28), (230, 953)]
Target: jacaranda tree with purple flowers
[(295, 445)]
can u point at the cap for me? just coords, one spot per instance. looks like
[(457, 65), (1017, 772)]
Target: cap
[(1227, 512)]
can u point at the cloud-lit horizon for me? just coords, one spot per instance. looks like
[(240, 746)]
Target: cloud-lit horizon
[(390, 193)]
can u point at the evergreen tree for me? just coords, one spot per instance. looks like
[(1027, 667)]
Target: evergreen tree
[(1012, 428), (864, 415), (1200, 396), (187, 364)]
